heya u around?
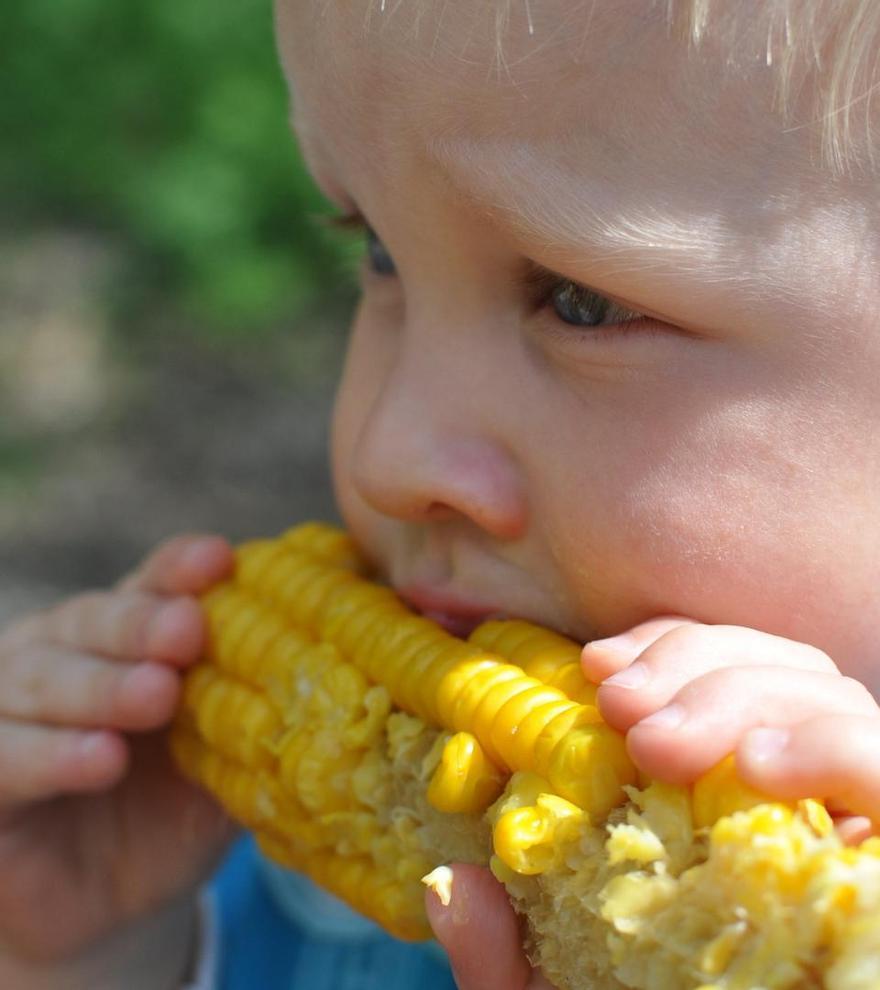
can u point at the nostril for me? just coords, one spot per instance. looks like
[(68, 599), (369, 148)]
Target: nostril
[(410, 463), (439, 511)]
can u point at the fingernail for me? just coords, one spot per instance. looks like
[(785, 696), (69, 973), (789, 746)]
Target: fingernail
[(199, 553), (623, 646), (631, 677), (764, 745), (169, 622), (166, 615), (669, 717), (93, 743), (441, 883)]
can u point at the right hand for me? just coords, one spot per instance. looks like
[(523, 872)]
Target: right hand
[(97, 827), (477, 925)]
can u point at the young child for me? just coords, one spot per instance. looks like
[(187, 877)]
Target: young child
[(615, 370)]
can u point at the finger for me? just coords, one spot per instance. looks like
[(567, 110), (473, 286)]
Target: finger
[(604, 657), (852, 830), (183, 565), (38, 763), (709, 716), (52, 684), (830, 756), (479, 924), (687, 652), (127, 626)]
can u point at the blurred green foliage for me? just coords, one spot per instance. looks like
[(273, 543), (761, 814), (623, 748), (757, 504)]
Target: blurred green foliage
[(165, 124)]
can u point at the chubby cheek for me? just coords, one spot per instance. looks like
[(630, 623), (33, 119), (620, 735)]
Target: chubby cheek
[(357, 391), (724, 518)]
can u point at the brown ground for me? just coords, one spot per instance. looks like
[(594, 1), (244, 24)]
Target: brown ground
[(108, 444)]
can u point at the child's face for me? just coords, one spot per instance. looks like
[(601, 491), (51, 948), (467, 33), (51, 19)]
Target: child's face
[(496, 449)]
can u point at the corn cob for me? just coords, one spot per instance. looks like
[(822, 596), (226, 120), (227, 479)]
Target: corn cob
[(365, 746)]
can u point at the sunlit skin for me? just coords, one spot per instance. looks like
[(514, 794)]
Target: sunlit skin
[(714, 458), (721, 463), (615, 369)]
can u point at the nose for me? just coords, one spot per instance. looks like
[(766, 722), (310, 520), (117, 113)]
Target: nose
[(426, 452)]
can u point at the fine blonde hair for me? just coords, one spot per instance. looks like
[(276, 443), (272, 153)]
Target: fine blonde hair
[(830, 46), (833, 44)]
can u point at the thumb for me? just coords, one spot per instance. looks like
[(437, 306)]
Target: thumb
[(480, 932)]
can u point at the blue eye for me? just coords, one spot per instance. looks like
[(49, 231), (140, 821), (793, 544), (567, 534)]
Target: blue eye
[(581, 307), (380, 260)]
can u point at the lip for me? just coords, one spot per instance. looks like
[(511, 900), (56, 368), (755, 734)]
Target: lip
[(456, 615)]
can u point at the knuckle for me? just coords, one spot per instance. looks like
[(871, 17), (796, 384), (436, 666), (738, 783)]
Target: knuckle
[(819, 658), (154, 569), (31, 681), (69, 619), (860, 694), (21, 632), (167, 551), (128, 623), (170, 549), (695, 638), (671, 647), (721, 681), (682, 636), (100, 690), (23, 779)]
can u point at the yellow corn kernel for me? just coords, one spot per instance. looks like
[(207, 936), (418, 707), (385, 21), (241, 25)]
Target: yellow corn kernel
[(279, 668), (255, 558), (542, 654), (440, 882), (225, 645), (716, 955), (364, 745), (570, 680), (465, 780), (816, 815), (215, 700), (533, 726), (327, 542), (590, 766), (720, 792), (531, 839)]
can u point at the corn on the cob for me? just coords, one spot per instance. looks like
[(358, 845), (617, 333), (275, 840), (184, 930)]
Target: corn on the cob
[(364, 745)]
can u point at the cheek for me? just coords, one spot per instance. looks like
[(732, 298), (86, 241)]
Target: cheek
[(726, 517), (358, 389)]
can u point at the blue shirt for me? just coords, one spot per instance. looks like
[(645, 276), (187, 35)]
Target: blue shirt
[(279, 932)]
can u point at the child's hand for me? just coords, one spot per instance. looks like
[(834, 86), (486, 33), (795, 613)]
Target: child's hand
[(688, 694), (799, 728), (96, 825), (481, 934)]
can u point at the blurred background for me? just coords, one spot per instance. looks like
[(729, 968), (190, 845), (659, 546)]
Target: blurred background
[(172, 310)]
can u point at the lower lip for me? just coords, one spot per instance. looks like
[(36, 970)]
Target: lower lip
[(461, 626)]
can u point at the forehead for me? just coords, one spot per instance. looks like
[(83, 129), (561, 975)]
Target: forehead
[(603, 80), (432, 53)]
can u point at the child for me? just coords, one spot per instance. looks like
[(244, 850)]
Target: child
[(615, 370)]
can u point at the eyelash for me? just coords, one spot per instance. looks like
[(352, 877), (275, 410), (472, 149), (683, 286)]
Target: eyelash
[(540, 283)]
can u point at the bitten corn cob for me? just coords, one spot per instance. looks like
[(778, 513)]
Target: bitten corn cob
[(366, 746)]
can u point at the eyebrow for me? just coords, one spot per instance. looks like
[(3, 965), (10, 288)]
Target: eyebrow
[(570, 228), (578, 234)]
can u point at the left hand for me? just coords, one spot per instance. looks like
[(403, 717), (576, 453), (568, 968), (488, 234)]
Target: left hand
[(688, 694), (798, 727)]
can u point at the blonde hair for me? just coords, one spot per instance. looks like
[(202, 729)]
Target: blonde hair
[(833, 46), (833, 43)]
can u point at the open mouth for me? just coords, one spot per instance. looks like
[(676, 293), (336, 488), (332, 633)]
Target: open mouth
[(461, 626), (457, 617)]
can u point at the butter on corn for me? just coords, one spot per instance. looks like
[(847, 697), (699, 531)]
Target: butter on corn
[(367, 747)]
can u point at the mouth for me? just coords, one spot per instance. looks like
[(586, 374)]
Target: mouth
[(455, 615)]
